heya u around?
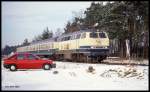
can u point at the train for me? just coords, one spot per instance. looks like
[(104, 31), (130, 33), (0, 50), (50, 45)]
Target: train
[(81, 46)]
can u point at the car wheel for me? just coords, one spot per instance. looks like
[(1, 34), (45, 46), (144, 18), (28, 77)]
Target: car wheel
[(46, 67), (13, 68)]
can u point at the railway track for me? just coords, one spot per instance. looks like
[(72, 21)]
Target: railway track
[(116, 61)]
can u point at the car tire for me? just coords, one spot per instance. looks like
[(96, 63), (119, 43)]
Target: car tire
[(46, 67), (13, 68)]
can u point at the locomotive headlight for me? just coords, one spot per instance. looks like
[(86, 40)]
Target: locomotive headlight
[(106, 47), (92, 47)]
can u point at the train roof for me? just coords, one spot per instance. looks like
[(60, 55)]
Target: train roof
[(78, 32), (42, 41), (63, 35)]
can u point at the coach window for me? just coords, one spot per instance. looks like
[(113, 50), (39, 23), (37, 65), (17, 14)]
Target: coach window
[(39, 46), (55, 38), (73, 37), (62, 39), (78, 36), (68, 38), (83, 35), (58, 39), (93, 35)]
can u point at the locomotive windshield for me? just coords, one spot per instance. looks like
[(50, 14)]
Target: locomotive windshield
[(102, 35), (96, 35), (93, 35)]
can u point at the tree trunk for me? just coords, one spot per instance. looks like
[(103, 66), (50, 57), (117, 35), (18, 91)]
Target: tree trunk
[(131, 30), (122, 48)]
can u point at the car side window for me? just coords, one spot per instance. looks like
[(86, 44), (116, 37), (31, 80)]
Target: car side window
[(31, 57), (20, 57)]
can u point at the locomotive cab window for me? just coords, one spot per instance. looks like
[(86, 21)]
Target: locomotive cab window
[(93, 35), (102, 35)]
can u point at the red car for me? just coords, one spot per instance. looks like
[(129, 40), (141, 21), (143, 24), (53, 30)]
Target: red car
[(27, 61)]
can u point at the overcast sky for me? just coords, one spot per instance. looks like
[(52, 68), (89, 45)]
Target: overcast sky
[(22, 20)]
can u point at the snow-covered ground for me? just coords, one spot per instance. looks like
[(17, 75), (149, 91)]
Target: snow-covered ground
[(75, 76)]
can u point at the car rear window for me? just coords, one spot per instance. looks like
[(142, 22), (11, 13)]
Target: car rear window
[(20, 56), (93, 35), (102, 35)]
